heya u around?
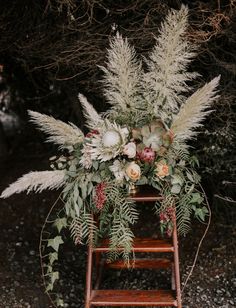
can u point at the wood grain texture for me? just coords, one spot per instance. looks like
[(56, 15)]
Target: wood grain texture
[(159, 263), (143, 245), (133, 298)]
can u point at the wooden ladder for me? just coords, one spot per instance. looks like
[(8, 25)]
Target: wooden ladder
[(96, 297)]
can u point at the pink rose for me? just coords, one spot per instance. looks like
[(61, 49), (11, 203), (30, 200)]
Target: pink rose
[(147, 155)]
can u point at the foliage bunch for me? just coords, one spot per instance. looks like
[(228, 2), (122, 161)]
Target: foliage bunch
[(140, 140)]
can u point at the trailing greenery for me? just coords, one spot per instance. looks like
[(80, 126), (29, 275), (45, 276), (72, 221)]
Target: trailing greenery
[(140, 140)]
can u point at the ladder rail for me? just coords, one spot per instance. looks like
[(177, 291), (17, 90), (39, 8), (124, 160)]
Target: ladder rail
[(161, 246)]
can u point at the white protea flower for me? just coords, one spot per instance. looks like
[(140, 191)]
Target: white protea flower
[(109, 142)]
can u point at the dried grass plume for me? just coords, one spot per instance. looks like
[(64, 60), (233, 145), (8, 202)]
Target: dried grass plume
[(36, 181), (60, 133), (194, 111)]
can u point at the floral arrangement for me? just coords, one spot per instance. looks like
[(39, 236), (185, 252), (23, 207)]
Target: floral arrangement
[(140, 140)]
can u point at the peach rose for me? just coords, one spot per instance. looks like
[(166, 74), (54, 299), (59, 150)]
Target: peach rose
[(133, 171), (162, 169)]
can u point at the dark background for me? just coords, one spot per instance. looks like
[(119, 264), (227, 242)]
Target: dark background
[(49, 51)]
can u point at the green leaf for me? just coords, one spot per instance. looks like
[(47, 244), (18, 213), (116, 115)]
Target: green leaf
[(55, 242), (142, 181), (59, 302), (194, 161), (83, 188), (60, 223), (53, 257), (95, 164), (75, 193), (90, 187), (102, 166), (54, 277), (176, 179), (72, 168), (201, 213), (77, 209), (155, 185), (49, 269), (49, 287), (196, 198), (190, 177), (176, 189), (96, 178), (103, 173), (72, 174), (80, 201)]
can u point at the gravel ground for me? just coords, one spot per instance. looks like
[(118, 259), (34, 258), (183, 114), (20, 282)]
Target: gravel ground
[(213, 283)]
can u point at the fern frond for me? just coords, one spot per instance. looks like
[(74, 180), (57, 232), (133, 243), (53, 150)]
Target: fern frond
[(83, 227), (91, 115), (167, 74), (122, 76), (36, 181), (183, 214), (178, 151), (121, 240), (60, 133), (194, 111)]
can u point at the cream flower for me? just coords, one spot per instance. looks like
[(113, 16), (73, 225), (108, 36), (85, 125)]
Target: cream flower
[(162, 169), (133, 171), (109, 142), (118, 170), (111, 138), (130, 150)]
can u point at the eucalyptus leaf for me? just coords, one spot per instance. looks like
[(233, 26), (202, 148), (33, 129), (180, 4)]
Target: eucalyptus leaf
[(90, 187), (96, 178), (72, 168), (83, 188), (155, 185), (142, 181), (72, 174), (95, 165), (77, 209), (176, 179), (80, 201), (176, 189), (190, 177), (75, 194)]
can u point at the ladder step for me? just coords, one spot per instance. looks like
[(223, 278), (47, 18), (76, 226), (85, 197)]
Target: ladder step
[(143, 245), (141, 263), (133, 298), (147, 194)]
